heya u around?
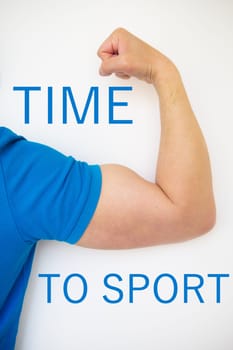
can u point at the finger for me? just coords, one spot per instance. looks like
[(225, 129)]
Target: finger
[(122, 75), (103, 73), (111, 65), (104, 54), (108, 48)]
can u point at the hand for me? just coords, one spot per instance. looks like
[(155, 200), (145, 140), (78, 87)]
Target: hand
[(126, 55)]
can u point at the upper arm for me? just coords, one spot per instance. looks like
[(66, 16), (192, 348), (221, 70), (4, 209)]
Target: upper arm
[(131, 212), (51, 196)]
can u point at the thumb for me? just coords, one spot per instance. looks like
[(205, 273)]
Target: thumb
[(114, 64), (109, 65)]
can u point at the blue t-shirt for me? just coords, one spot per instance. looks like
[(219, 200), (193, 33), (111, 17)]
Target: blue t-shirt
[(43, 195)]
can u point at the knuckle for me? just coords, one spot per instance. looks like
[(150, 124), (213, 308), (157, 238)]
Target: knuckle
[(98, 52), (125, 63), (119, 30)]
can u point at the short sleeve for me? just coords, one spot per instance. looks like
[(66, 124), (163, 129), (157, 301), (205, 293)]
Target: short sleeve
[(51, 196)]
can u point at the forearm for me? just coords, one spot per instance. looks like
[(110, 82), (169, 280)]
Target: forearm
[(183, 168)]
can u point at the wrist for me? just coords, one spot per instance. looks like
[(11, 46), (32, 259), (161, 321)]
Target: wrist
[(164, 72)]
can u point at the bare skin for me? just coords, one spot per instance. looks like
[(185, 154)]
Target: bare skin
[(133, 212)]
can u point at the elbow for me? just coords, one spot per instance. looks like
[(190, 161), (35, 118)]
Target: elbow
[(207, 222), (212, 216), (198, 220)]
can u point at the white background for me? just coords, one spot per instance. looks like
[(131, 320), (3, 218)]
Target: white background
[(54, 43)]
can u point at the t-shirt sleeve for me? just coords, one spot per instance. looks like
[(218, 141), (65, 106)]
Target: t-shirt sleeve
[(51, 196)]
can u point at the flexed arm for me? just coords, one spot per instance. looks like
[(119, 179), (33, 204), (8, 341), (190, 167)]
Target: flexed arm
[(180, 204)]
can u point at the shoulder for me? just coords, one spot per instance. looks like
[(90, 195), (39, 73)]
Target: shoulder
[(8, 137)]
